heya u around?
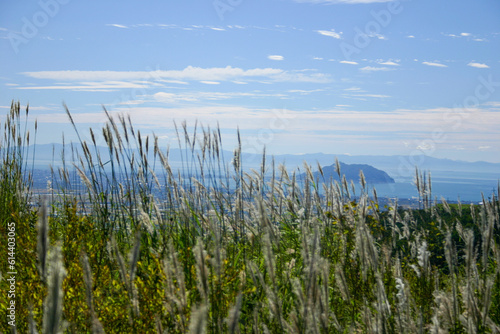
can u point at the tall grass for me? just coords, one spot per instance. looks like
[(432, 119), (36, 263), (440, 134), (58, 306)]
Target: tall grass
[(15, 174), (216, 248)]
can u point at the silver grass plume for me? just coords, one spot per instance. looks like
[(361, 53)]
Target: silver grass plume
[(305, 308), (401, 297), (337, 168), (443, 312), (128, 277), (309, 305), (370, 323), (43, 240), (365, 245), (450, 255), (470, 255), (496, 253), (87, 278), (53, 304), (382, 304), (326, 316), (31, 322), (342, 283), (145, 221), (345, 186), (175, 287), (134, 256), (272, 292), (198, 321), (201, 269), (471, 317), (234, 316), (423, 257), (487, 235), (219, 254), (487, 300)]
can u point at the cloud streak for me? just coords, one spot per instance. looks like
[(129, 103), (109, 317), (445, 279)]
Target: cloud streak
[(117, 26), (275, 57), (433, 64), (105, 86), (190, 73), (375, 69), (330, 33), (402, 122), (389, 63), (477, 65), (348, 62)]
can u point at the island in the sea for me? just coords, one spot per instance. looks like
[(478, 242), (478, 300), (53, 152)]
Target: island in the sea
[(352, 172)]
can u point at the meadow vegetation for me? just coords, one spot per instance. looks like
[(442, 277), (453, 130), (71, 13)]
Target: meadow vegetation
[(143, 248)]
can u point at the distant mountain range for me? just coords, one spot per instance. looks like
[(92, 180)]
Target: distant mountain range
[(400, 168)]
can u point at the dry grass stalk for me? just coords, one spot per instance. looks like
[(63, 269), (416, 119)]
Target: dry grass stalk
[(43, 240), (53, 322)]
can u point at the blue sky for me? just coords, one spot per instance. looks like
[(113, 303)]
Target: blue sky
[(297, 76)]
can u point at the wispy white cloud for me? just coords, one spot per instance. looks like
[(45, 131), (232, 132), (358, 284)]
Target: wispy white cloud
[(348, 62), (208, 82), (494, 104), (378, 96), (379, 36), (190, 27), (304, 91), (433, 64), (162, 25), (275, 57), (363, 129), (104, 86), (178, 82), (374, 69), (389, 63), (189, 73), (477, 65), (330, 33), (117, 26), (410, 36), (169, 97), (468, 35)]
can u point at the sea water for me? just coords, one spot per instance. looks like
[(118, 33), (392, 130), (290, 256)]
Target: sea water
[(451, 189)]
